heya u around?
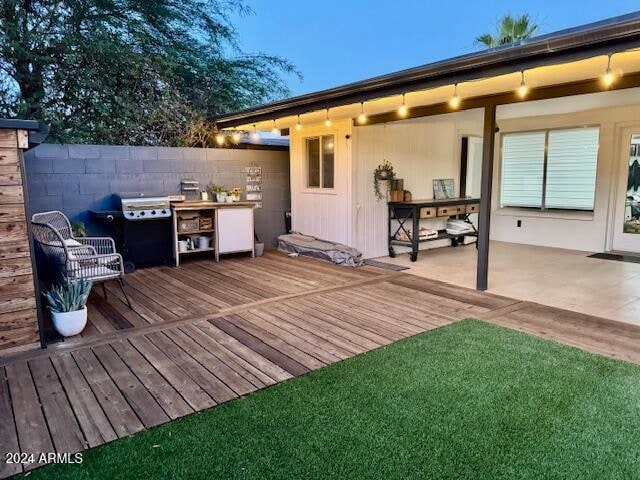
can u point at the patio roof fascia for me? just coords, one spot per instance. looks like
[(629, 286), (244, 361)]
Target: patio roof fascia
[(599, 38)]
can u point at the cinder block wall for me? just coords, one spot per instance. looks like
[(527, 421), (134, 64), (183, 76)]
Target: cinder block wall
[(78, 178)]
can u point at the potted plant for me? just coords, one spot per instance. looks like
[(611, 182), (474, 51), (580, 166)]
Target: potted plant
[(217, 192), (79, 229), (235, 194), (68, 305), (384, 172)]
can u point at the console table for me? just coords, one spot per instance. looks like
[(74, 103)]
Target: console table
[(410, 214)]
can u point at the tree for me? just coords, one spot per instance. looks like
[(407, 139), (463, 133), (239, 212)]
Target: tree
[(143, 72), (510, 29)]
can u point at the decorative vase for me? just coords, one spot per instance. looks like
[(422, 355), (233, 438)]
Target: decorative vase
[(236, 198), (221, 197), (68, 324), (259, 249)]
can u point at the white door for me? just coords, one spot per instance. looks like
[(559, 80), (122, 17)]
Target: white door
[(626, 230)]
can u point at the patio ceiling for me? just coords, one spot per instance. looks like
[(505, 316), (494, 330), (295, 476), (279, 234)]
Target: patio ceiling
[(566, 57)]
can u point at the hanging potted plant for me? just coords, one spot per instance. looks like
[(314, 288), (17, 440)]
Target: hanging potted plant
[(68, 306), (384, 172)]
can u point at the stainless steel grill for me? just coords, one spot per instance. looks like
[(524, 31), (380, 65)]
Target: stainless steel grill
[(141, 206)]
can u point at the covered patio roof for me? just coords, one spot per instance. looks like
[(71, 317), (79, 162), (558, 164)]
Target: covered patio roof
[(575, 58)]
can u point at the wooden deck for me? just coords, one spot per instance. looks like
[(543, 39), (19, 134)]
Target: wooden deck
[(206, 333)]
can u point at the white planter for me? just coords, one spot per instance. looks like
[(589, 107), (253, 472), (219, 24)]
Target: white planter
[(70, 323), (221, 197)]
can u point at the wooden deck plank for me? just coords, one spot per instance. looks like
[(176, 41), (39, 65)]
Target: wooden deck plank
[(359, 334), (8, 433), (64, 428), (323, 331), (193, 394), (203, 377), (295, 326), (94, 423), (33, 433), (228, 325), (271, 369), (166, 396), (257, 378), (121, 416), (286, 344), (232, 379), (142, 402)]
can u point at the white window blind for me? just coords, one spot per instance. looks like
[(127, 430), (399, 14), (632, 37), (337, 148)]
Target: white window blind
[(522, 169), (572, 159)]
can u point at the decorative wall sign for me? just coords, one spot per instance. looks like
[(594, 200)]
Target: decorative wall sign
[(254, 184)]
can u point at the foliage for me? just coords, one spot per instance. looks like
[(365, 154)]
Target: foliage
[(383, 172), (509, 30), (69, 296), (79, 229), (149, 72), (214, 189)]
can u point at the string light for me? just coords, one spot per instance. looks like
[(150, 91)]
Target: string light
[(608, 77), (220, 138), (327, 122), (454, 102), (275, 130), (403, 111), (298, 125), (522, 89), (236, 137), (362, 118), (255, 136)]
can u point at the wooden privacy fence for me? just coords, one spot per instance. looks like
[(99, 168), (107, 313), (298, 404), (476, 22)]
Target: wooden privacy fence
[(18, 312)]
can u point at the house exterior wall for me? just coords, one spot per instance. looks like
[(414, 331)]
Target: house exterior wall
[(420, 150), (79, 178), (322, 213), (571, 230)]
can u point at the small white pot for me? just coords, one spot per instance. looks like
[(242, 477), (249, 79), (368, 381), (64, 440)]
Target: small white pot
[(70, 323), (221, 197)]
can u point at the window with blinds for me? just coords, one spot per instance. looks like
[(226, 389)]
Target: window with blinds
[(564, 178)]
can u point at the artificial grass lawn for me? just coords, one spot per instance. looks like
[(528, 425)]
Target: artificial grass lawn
[(470, 400)]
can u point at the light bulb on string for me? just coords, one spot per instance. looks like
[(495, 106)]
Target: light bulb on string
[(454, 102), (236, 137), (220, 139), (362, 118), (403, 111), (523, 90), (327, 122), (255, 136), (298, 124), (275, 130), (608, 78)]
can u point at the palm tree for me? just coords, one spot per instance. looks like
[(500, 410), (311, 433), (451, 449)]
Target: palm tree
[(510, 29)]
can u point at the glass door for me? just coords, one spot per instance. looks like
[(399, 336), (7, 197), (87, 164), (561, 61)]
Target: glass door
[(626, 237)]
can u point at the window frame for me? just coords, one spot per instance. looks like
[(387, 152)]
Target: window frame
[(546, 131), (305, 152)]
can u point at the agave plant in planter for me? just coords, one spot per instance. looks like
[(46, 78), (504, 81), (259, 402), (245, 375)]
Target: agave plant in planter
[(68, 305)]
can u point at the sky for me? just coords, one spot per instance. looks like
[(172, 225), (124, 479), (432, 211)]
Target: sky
[(333, 42)]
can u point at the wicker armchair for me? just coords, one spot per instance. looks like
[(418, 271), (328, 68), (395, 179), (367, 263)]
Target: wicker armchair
[(89, 258)]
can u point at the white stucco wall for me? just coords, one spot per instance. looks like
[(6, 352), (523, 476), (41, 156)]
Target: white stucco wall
[(426, 148), (572, 230)]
